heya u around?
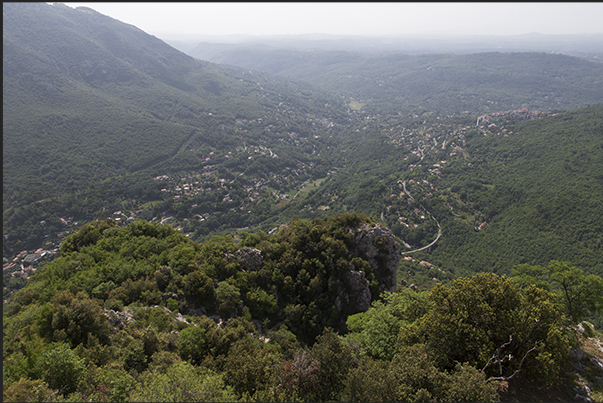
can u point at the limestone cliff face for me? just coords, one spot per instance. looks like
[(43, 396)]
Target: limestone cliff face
[(378, 245), (356, 297)]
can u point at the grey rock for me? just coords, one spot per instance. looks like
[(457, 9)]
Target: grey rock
[(169, 295), (353, 293), (597, 362), (583, 389), (576, 353), (229, 256), (181, 318), (359, 289), (251, 258), (338, 303), (578, 366), (119, 319), (378, 244), (583, 398)]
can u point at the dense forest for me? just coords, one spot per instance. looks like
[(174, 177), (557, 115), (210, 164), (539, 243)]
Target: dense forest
[(297, 225), (142, 313)]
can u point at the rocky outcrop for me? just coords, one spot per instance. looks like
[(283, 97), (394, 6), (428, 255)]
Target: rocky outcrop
[(169, 295), (586, 367), (378, 245), (250, 258), (583, 389), (356, 296), (119, 319)]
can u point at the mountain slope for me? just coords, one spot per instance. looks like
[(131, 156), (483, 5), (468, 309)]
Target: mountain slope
[(486, 197), (392, 83), (85, 71), (541, 191), (102, 120), (92, 105)]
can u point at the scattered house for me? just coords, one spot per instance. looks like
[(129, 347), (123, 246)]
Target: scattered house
[(32, 257), (7, 267)]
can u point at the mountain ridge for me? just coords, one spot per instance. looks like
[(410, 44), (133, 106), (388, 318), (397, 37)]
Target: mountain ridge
[(406, 83)]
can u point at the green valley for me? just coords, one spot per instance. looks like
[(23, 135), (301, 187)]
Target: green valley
[(278, 224)]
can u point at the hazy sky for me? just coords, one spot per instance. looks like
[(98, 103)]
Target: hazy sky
[(168, 20)]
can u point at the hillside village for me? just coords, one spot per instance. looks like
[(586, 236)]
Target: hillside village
[(434, 142), (240, 190)]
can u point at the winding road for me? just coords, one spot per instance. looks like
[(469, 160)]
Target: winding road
[(439, 228), (431, 244)]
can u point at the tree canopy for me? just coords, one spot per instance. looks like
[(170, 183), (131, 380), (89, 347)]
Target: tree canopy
[(143, 313)]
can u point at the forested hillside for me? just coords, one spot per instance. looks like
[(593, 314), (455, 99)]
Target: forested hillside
[(95, 109), (540, 191), (142, 313), (408, 84), (347, 227), (102, 120)]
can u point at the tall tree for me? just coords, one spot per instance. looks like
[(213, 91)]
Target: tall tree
[(580, 294), (488, 322)]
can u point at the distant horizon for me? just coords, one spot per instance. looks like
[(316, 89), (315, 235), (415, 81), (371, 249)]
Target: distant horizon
[(173, 20), (391, 36)]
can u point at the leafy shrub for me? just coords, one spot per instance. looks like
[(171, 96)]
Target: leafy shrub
[(61, 368)]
